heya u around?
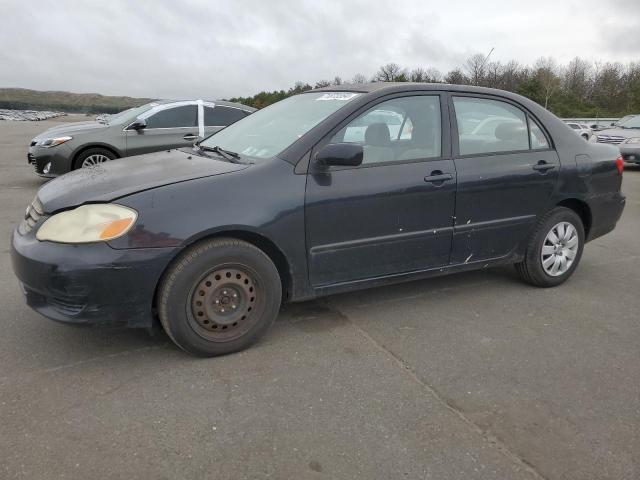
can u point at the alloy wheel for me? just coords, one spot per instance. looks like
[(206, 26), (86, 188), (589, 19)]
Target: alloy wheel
[(94, 159), (559, 249)]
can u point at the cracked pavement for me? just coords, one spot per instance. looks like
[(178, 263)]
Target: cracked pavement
[(470, 376)]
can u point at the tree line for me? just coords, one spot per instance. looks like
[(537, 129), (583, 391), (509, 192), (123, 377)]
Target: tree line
[(579, 88)]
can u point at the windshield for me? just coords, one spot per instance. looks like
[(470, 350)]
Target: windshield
[(632, 122), (269, 131), (129, 115), (623, 119)]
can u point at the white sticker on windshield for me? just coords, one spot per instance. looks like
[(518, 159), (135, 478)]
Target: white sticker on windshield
[(341, 96)]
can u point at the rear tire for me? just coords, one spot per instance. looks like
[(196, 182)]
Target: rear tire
[(93, 156), (219, 296), (554, 249)]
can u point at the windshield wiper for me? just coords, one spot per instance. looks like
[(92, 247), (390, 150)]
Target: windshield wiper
[(227, 154)]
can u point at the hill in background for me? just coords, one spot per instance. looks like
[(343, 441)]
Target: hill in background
[(24, 99)]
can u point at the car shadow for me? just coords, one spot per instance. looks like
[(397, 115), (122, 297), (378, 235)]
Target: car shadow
[(313, 316)]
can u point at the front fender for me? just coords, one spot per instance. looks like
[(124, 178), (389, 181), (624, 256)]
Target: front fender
[(264, 200)]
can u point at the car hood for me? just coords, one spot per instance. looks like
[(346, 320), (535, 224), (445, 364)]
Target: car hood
[(118, 178), (620, 132), (71, 128)]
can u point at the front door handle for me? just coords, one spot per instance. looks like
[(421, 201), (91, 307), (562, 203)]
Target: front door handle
[(437, 177), (190, 136), (542, 166)]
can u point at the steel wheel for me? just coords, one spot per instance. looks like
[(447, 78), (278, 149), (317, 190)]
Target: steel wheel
[(559, 249), (223, 303), (94, 159)]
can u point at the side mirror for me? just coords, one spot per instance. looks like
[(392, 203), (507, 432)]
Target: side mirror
[(345, 154), (138, 124)]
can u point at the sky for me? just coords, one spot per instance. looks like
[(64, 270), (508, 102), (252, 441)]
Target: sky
[(221, 49)]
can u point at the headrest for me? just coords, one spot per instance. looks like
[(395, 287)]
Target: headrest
[(510, 131), (377, 135)]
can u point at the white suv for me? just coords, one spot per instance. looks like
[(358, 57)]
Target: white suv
[(581, 129)]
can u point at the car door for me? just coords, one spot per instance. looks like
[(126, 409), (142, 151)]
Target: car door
[(506, 176), (171, 127), (393, 213), (218, 117)]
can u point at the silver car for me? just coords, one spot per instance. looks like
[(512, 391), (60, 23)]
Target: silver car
[(626, 134), (149, 128)]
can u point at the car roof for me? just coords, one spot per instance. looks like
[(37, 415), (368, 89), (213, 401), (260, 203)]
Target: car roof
[(408, 86), (223, 103), (384, 88)]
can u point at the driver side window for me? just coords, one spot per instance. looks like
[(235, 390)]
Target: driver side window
[(401, 129), (177, 117)]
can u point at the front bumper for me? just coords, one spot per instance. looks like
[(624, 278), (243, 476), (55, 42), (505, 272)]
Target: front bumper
[(58, 158), (89, 283), (630, 153)]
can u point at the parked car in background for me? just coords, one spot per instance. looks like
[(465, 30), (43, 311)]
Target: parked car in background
[(626, 135), (151, 127), (630, 146), (298, 201), (581, 129), (622, 120)]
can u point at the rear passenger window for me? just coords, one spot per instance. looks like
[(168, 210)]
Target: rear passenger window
[(177, 117), (487, 126), (221, 116), (538, 139)]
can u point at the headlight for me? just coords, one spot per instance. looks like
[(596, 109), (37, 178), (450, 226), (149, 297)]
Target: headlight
[(52, 142), (632, 140), (88, 223)]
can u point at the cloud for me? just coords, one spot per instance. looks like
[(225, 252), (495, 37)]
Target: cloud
[(228, 48)]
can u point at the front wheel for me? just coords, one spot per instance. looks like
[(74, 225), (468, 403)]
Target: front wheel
[(92, 157), (554, 249), (219, 297)]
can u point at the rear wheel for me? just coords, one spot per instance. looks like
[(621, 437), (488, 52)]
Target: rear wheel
[(554, 249), (93, 156), (219, 296)]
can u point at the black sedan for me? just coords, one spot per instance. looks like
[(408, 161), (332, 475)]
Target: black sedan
[(332, 190)]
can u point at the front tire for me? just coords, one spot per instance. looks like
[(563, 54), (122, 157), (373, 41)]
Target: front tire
[(554, 249), (219, 296)]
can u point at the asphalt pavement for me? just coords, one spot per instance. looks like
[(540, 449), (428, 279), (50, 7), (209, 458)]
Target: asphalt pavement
[(470, 376)]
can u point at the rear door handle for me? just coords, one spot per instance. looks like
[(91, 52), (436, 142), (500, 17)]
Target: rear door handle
[(543, 166), (190, 136), (437, 177)]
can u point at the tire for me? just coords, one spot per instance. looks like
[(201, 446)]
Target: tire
[(218, 297), (532, 269), (98, 155)]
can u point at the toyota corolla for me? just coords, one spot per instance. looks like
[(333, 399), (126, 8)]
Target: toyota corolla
[(328, 191)]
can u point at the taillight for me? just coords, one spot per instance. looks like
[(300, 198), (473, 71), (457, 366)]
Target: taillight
[(620, 164)]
